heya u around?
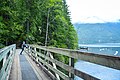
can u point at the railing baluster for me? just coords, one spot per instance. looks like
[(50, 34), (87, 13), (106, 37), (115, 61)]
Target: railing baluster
[(30, 51), (71, 63), (6, 55), (54, 65), (4, 60), (36, 57)]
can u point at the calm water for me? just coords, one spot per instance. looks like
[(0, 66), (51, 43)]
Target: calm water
[(101, 72), (104, 48)]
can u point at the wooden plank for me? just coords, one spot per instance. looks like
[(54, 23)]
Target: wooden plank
[(54, 65), (15, 73), (71, 63), (4, 51), (10, 63), (34, 51), (68, 68), (5, 70), (62, 65), (53, 69), (105, 60), (40, 73), (51, 76), (62, 75)]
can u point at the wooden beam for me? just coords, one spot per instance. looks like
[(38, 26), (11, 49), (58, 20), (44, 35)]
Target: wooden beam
[(105, 60), (68, 68), (71, 63), (7, 54), (62, 75), (54, 65)]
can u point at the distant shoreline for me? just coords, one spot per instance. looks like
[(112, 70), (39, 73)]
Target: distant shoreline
[(100, 45)]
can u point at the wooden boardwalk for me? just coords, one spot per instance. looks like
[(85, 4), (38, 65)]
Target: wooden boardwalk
[(24, 68), (38, 63)]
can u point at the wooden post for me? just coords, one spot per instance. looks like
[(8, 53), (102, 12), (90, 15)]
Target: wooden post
[(10, 63), (54, 65), (11, 51), (71, 63), (40, 52), (29, 50), (36, 55), (1, 64), (4, 60)]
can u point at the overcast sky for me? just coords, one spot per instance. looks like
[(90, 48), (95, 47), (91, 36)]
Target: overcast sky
[(94, 11)]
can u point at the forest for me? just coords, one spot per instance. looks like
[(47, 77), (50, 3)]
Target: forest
[(34, 20)]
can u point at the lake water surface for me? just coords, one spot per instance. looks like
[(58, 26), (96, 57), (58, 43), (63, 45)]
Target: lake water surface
[(101, 72)]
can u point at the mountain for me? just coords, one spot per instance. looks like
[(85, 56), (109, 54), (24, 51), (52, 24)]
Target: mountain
[(98, 32)]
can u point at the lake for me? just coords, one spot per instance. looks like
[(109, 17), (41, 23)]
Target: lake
[(101, 72), (103, 48)]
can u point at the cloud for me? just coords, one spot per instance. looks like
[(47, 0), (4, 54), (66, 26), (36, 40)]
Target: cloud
[(107, 10)]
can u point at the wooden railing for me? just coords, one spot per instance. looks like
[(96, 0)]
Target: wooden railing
[(6, 59), (38, 54)]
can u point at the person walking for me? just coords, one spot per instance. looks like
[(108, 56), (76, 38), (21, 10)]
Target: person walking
[(23, 46)]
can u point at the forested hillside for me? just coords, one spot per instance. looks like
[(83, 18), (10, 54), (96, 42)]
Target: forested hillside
[(33, 20), (98, 33)]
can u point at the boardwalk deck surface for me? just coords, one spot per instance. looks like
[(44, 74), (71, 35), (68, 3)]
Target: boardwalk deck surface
[(23, 69), (26, 69)]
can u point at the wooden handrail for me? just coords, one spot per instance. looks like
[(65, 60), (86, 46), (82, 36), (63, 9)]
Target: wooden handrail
[(105, 60), (6, 59)]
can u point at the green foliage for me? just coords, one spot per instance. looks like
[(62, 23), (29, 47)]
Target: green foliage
[(27, 20)]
